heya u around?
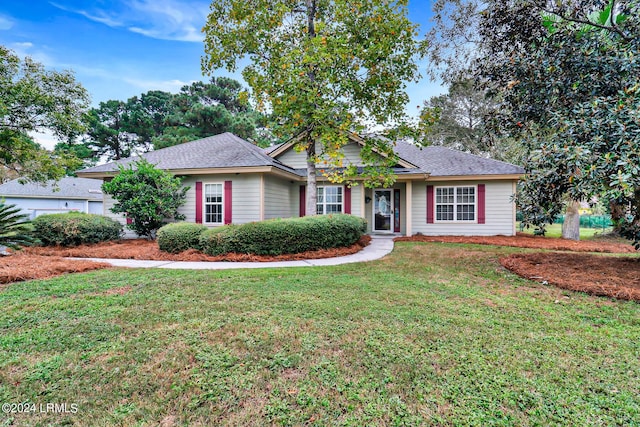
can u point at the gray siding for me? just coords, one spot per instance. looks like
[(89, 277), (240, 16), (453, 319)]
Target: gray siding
[(298, 160), (500, 214), (280, 198), (245, 191)]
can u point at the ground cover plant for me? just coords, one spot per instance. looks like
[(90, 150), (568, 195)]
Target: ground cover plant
[(434, 334)]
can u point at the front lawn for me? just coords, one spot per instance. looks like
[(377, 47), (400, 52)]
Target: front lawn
[(434, 334)]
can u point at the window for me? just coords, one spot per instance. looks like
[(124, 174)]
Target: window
[(213, 203), (329, 200), (456, 204)]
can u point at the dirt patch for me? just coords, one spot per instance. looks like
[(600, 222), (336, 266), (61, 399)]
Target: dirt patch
[(26, 266), (617, 277), (523, 240), (148, 250)]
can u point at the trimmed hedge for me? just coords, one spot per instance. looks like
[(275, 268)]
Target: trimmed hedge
[(284, 236), (180, 236), (75, 228)]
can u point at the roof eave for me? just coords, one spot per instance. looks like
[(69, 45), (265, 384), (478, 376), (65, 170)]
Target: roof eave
[(488, 177)]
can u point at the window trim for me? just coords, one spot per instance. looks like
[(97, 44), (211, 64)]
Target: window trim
[(455, 205), (204, 203), (324, 202)]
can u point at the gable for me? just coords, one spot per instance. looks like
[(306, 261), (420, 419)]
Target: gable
[(286, 154)]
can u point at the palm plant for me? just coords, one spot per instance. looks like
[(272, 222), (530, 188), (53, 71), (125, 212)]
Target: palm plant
[(15, 227)]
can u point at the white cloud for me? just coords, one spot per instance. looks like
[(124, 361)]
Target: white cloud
[(159, 19), (172, 86), (5, 23), (24, 49)]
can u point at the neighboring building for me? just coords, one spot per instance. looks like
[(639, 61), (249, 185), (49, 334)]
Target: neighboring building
[(438, 191), (70, 195)]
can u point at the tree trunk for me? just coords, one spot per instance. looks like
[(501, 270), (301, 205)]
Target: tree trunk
[(618, 212), (312, 189), (571, 224), (312, 192)]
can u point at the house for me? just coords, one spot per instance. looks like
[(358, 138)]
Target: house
[(67, 195), (438, 191)]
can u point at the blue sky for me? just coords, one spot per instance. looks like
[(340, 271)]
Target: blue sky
[(122, 48)]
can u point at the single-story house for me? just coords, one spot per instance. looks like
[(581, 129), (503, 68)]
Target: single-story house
[(438, 191), (67, 195)]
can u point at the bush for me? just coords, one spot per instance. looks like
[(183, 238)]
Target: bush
[(285, 236), (72, 229), (218, 241), (180, 236)]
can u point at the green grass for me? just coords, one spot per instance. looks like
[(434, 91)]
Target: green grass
[(435, 334), (555, 230)]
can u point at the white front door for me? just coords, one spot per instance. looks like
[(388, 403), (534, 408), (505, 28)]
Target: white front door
[(383, 210)]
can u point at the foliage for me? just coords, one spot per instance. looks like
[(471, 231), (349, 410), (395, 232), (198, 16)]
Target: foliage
[(218, 240), (179, 236), (33, 99), (148, 196), (322, 68), (75, 228), (15, 227), (285, 236), (568, 75), (434, 334), (119, 129)]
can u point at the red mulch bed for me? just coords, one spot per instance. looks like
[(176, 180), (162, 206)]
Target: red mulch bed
[(148, 250), (617, 277), (523, 240), (25, 266)]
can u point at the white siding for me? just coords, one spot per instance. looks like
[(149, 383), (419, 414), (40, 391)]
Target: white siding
[(280, 198), (298, 160), (245, 196), (499, 212), (40, 206)]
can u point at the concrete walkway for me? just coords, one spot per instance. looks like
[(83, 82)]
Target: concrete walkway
[(379, 247)]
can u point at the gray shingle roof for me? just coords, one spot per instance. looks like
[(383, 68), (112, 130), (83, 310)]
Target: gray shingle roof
[(77, 188), (219, 151), (442, 161), (229, 151)]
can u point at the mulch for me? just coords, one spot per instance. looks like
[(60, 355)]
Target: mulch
[(25, 266), (617, 277), (524, 240), (148, 250)]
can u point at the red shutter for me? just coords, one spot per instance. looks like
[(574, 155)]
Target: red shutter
[(430, 204), (303, 200), (228, 203), (481, 204), (199, 202), (129, 220), (347, 199)]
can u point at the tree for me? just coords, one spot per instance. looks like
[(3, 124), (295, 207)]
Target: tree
[(33, 99), (148, 196), (15, 228), (568, 74), (322, 68), (205, 109)]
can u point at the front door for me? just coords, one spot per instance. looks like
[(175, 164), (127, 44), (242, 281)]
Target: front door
[(383, 210)]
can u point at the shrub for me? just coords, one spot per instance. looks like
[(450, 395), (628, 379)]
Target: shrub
[(150, 197), (285, 236), (180, 236), (71, 229), (218, 241)]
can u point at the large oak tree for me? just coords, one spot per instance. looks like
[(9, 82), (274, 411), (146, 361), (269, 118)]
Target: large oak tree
[(322, 68)]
